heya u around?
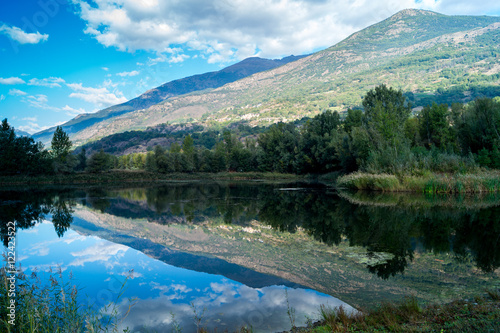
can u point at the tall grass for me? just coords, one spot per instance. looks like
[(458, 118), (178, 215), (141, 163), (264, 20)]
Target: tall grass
[(52, 307), (481, 182)]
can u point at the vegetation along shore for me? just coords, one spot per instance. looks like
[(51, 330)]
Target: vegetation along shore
[(382, 147)]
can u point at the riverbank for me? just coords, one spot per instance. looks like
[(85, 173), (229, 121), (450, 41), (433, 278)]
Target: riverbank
[(481, 182), (478, 314), (127, 176)]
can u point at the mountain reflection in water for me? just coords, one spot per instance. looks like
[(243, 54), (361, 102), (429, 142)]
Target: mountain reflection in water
[(360, 247)]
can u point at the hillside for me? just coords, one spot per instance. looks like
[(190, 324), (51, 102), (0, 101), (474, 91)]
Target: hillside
[(156, 95), (431, 57)]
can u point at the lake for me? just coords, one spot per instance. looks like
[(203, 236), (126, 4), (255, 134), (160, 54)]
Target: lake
[(259, 254)]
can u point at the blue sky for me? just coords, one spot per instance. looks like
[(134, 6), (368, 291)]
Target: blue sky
[(60, 58)]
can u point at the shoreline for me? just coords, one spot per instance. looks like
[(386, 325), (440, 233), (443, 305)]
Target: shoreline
[(431, 183), (142, 177)]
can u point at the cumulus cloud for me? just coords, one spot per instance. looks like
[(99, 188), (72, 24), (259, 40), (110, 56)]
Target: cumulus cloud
[(51, 82), (11, 80), (2, 97), (22, 37), (101, 97), (100, 252), (17, 92), (223, 30), (132, 73)]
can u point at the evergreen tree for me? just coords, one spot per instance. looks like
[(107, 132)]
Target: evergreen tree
[(61, 145), (100, 162)]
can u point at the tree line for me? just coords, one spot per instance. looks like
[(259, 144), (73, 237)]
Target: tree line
[(385, 136)]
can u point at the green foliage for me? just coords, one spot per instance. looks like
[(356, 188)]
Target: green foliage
[(61, 145), (382, 139), (21, 155), (100, 162), (435, 128), (63, 162)]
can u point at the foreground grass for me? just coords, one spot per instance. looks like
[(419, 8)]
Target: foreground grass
[(482, 314), (481, 182), (51, 307), (126, 176)]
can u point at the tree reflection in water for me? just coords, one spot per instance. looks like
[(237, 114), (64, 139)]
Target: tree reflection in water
[(393, 224)]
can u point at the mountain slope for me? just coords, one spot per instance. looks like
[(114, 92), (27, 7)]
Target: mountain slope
[(182, 86), (432, 57)]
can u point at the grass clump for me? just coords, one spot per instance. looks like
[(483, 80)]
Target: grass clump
[(367, 181)]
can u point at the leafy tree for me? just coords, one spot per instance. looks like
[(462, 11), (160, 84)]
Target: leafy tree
[(353, 119), (279, 146), (150, 164), (386, 112), (477, 124), (435, 128), (188, 145)]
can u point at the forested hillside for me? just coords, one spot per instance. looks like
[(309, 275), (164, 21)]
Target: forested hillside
[(429, 56)]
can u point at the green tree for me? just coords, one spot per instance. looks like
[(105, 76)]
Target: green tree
[(100, 162), (61, 145), (21, 155), (353, 119), (81, 160), (386, 112), (435, 127)]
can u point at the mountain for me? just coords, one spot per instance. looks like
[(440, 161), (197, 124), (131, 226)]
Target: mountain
[(156, 95), (429, 56), (22, 133)]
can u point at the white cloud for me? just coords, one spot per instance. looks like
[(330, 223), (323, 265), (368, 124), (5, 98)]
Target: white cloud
[(51, 82), (178, 58), (224, 30), (132, 73), (22, 37), (39, 101), (2, 97), (101, 97), (102, 251), (73, 112), (17, 92), (11, 80), (105, 69)]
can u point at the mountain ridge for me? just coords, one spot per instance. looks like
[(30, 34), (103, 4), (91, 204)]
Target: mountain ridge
[(167, 90), (430, 56)]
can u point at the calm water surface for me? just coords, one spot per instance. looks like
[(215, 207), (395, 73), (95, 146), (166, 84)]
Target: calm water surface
[(245, 254)]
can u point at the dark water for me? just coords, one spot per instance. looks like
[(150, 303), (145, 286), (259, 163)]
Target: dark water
[(245, 254)]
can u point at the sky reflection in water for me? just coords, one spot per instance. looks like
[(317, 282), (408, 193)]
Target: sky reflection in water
[(165, 293)]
